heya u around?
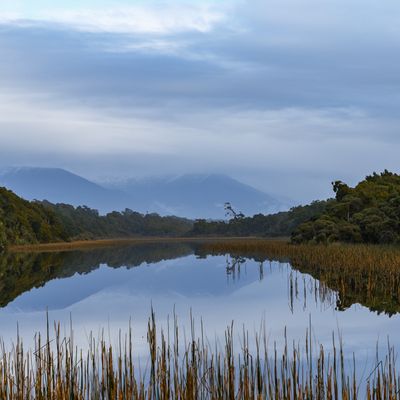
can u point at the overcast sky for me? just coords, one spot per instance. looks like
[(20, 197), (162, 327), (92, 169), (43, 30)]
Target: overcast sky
[(286, 95)]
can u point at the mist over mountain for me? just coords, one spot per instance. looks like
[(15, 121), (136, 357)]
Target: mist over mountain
[(198, 196), (191, 195)]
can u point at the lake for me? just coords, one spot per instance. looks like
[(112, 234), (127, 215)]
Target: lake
[(102, 290)]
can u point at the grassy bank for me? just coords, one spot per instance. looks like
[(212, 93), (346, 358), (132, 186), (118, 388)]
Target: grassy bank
[(365, 274), (191, 369), (88, 244), (92, 244), (354, 256)]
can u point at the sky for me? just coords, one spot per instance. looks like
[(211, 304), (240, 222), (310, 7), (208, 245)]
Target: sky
[(286, 95)]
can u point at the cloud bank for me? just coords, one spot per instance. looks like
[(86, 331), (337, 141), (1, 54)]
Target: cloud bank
[(286, 95)]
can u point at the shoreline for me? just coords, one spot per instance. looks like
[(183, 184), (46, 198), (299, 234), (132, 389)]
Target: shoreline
[(98, 243)]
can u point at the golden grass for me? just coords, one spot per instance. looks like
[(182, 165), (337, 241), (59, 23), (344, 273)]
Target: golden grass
[(92, 244), (354, 256), (56, 369), (365, 274)]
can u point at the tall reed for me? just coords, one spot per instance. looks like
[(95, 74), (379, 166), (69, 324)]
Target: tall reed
[(365, 274), (192, 369)]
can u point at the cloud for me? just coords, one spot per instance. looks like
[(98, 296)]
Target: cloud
[(289, 94), (248, 144), (267, 64), (154, 18)]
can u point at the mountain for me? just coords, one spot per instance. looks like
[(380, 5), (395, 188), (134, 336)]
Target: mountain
[(60, 186), (198, 196), (190, 195)]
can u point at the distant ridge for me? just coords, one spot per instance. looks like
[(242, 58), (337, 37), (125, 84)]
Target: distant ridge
[(60, 186), (199, 195), (190, 195)]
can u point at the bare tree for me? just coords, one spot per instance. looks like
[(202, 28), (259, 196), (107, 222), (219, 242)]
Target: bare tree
[(230, 212)]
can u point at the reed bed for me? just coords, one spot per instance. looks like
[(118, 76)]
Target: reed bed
[(192, 369), (352, 256), (365, 274)]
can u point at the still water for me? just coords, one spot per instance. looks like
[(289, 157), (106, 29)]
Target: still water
[(102, 290)]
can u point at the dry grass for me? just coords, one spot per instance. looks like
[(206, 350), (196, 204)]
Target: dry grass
[(93, 244), (315, 256), (366, 274), (56, 369)]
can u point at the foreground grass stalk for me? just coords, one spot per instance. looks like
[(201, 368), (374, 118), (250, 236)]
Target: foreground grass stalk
[(56, 369)]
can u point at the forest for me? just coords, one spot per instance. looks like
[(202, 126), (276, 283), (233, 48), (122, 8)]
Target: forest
[(84, 223), (280, 224), (367, 213), (24, 222)]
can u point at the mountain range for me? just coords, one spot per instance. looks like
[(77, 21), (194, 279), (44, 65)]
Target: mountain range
[(190, 195)]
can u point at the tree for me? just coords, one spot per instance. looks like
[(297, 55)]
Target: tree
[(341, 190), (230, 212)]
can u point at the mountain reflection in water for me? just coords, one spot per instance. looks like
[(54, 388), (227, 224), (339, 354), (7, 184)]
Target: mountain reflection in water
[(22, 272)]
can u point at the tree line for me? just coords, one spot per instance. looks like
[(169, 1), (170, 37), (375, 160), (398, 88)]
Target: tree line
[(367, 213), (280, 224), (24, 222)]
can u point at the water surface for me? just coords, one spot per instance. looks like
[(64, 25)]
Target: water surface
[(102, 290)]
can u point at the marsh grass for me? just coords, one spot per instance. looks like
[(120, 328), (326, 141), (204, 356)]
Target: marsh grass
[(188, 369), (354, 256), (365, 274)]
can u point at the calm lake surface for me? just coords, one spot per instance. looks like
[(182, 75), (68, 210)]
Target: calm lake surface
[(101, 290)]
